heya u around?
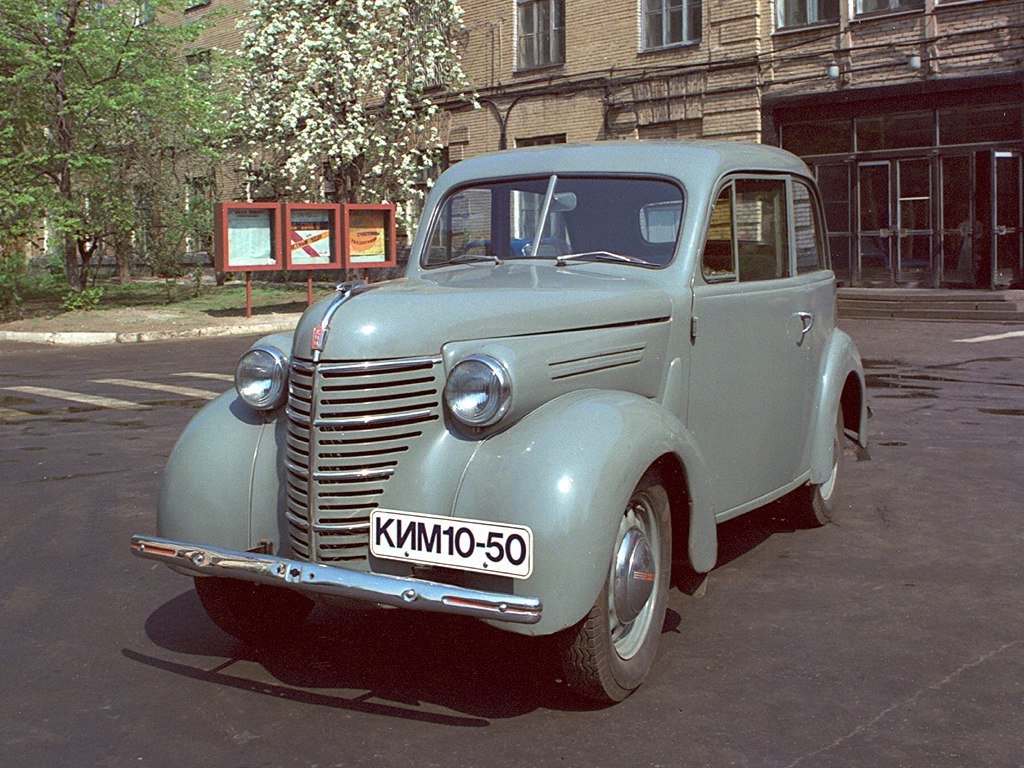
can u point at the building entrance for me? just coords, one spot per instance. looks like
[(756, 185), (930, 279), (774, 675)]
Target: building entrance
[(982, 209), (894, 236)]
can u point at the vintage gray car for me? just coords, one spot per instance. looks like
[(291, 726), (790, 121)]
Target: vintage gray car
[(598, 353)]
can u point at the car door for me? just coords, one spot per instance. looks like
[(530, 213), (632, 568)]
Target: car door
[(748, 393)]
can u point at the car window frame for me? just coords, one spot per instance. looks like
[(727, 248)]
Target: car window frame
[(729, 182), (435, 214)]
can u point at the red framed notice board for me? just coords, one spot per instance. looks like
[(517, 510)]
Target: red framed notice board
[(368, 233), (247, 237), (311, 236)]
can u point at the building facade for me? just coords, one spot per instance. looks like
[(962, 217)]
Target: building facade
[(910, 112)]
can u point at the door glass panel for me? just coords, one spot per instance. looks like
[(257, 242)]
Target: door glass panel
[(1007, 224), (874, 217), (915, 211), (959, 229), (762, 229)]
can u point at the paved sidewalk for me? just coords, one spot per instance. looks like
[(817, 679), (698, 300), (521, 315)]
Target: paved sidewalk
[(125, 326)]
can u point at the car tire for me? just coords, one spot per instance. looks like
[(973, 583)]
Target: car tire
[(253, 613), (609, 654), (819, 503)]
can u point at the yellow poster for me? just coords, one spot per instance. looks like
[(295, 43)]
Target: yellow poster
[(366, 241)]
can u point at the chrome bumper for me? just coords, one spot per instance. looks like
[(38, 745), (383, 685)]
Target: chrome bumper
[(311, 577)]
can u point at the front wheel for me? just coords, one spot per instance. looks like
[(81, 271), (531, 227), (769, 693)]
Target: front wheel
[(607, 655), (254, 613)]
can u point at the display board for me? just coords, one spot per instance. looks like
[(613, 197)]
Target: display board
[(246, 237), (312, 236), (369, 235)]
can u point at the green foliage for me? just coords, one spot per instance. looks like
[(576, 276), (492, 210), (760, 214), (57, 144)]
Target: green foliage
[(86, 299), (102, 127), (12, 270)]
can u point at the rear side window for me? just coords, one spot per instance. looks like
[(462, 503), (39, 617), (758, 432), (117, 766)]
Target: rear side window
[(807, 231)]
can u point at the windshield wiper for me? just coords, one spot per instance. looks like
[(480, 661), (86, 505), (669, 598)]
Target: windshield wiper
[(561, 261), (467, 258)]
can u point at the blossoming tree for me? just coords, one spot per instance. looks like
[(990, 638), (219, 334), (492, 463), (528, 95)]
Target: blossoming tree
[(341, 97)]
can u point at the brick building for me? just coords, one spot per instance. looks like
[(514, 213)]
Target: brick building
[(911, 112)]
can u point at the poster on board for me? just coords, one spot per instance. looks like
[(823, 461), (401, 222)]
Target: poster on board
[(369, 236), (311, 236), (246, 237)]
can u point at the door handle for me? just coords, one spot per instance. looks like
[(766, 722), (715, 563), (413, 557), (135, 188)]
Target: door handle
[(806, 321)]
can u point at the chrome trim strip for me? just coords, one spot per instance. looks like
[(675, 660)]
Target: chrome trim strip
[(354, 474), (401, 592), (360, 421), (345, 291), (342, 527), (377, 366)]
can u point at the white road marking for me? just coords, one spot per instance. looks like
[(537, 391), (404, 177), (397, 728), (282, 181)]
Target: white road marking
[(199, 375), (993, 337), (199, 394), (79, 397)]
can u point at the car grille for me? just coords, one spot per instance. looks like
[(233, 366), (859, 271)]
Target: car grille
[(349, 425)]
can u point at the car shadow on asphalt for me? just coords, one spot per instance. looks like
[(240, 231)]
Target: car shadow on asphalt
[(423, 667)]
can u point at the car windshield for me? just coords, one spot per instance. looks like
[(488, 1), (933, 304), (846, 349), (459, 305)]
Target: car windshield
[(629, 221)]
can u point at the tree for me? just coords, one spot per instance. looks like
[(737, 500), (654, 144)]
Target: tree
[(91, 94), (339, 98)]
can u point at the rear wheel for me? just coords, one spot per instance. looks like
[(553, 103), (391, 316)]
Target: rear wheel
[(254, 613), (820, 502), (608, 655)]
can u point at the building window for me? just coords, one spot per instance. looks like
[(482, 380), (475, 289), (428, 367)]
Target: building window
[(670, 22), (541, 28), (198, 64), (539, 141), (888, 6), (797, 13)]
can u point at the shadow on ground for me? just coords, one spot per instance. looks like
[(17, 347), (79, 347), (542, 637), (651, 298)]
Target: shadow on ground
[(424, 667)]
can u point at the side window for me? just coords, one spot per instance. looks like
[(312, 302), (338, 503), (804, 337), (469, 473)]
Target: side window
[(718, 261), (762, 229), (810, 252)]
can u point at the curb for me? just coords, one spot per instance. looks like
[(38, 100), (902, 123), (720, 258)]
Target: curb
[(90, 338)]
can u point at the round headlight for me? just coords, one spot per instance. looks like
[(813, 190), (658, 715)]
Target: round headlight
[(479, 391), (261, 378)]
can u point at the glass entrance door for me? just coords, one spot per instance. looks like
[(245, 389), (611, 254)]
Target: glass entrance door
[(914, 262), (874, 224), (1007, 224)]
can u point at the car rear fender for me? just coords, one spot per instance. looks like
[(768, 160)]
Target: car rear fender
[(840, 383), (567, 470)]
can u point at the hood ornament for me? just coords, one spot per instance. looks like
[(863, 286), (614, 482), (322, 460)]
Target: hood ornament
[(345, 291)]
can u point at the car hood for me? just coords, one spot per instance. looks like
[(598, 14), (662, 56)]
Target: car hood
[(413, 317)]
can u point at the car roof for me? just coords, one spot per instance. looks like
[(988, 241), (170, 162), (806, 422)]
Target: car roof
[(691, 161)]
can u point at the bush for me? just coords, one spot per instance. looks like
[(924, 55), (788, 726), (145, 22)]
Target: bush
[(86, 299)]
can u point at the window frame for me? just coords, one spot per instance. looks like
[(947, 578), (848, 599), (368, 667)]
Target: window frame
[(860, 13), (685, 9), (781, 6), (555, 54)]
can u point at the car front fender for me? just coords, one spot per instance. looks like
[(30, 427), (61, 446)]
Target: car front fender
[(222, 485), (840, 361), (567, 471)]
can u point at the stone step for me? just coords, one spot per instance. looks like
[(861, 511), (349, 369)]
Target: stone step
[(932, 304)]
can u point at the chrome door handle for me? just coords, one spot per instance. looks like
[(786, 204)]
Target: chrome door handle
[(806, 320)]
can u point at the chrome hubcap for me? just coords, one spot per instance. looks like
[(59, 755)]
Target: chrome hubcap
[(634, 575)]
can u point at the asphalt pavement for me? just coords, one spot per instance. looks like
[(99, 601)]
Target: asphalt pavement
[(892, 637)]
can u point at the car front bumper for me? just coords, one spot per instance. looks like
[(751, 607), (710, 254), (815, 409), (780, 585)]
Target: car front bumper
[(397, 591)]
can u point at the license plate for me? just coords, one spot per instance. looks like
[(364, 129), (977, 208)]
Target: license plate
[(452, 542)]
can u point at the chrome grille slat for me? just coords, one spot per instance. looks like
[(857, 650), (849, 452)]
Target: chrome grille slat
[(350, 423)]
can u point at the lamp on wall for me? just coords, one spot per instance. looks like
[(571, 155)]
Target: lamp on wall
[(832, 71), (914, 61)]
